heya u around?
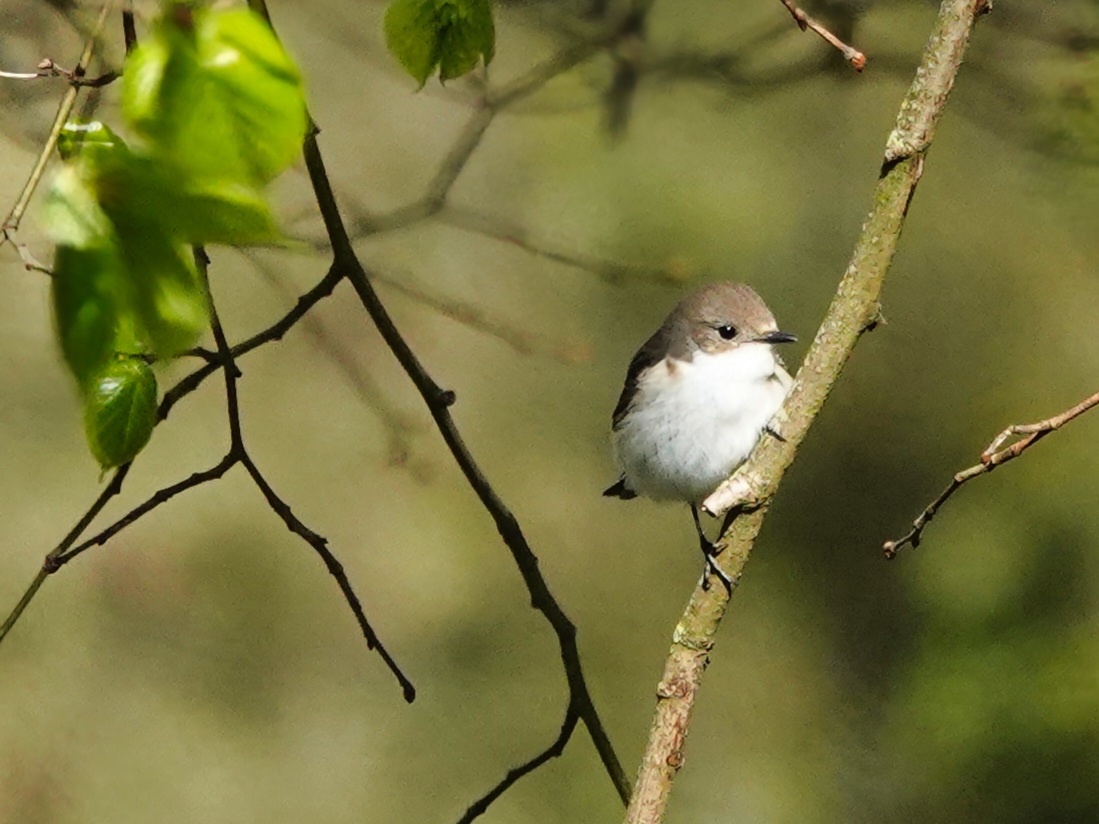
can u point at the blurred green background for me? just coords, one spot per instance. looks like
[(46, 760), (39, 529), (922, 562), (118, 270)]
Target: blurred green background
[(202, 666)]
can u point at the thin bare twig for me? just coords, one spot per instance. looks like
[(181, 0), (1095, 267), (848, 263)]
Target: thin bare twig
[(75, 77), (852, 55), (554, 750), (188, 384), (161, 496), (15, 216), (112, 489), (237, 453), (994, 455)]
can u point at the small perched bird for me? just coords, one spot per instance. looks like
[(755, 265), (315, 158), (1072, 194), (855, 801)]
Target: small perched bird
[(699, 394)]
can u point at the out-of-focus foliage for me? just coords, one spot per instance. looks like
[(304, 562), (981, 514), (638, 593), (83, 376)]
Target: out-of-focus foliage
[(201, 667), (450, 36), (218, 107)]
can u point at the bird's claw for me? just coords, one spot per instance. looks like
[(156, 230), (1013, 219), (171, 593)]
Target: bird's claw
[(712, 567)]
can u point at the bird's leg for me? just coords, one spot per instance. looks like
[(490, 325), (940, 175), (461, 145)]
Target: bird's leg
[(774, 433), (710, 552)]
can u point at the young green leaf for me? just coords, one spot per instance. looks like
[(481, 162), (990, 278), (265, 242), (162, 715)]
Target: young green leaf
[(71, 211), (94, 135), (120, 411), (216, 95), (169, 300), (469, 37), (448, 35), (143, 191), (88, 308)]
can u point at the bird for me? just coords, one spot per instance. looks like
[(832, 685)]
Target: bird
[(698, 395)]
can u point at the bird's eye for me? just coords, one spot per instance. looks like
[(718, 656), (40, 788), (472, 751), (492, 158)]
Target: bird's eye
[(728, 331)]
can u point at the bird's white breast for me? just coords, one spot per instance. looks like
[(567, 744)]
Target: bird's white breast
[(693, 422)]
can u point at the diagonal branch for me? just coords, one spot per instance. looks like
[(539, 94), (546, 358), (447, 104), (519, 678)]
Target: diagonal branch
[(188, 384), (438, 400), (161, 496), (112, 489), (854, 310), (554, 750), (15, 216), (238, 453), (993, 456)]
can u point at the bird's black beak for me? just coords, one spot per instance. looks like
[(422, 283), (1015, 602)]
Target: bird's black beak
[(777, 337)]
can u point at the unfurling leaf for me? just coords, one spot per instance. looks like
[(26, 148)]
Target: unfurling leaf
[(450, 35), (120, 411)]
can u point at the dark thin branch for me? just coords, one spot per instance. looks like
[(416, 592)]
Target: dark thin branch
[(161, 496), (439, 400), (188, 384), (319, 543), (112, 489), (554, 750), (994, 455), (335, 569), (75, 77), (399, 426)]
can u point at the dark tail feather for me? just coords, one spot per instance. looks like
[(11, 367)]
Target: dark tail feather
[(619, 490)]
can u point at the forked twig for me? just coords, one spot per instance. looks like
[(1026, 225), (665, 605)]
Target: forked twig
[(993, 456)]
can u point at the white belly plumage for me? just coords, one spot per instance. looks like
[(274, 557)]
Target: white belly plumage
[(693, 422)]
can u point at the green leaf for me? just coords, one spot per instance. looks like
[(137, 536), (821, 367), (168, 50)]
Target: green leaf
[(216, 95), (93, 136), (71, 212), (451, 35), (469, 38), (120, 411), (411, 36), (218, 211), (143, 191), (88, 308), (169, 300)]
